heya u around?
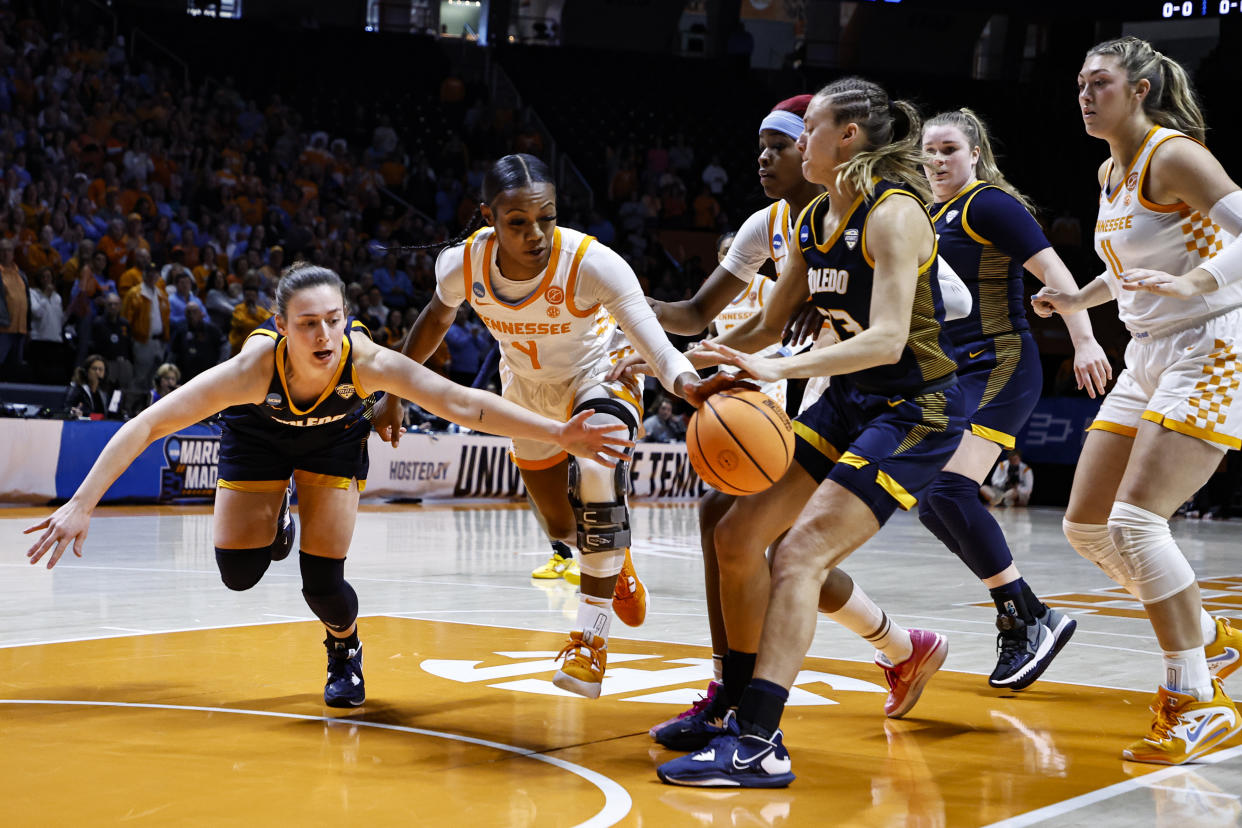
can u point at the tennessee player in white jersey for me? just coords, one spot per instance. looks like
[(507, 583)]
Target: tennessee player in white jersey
[(554, 298), (1169, 215)]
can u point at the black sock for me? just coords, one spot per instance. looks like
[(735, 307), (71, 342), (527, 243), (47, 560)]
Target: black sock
[(349, 642), (1010, 599), (561, 550), (1036, 606), (762, 705), (737, 671)]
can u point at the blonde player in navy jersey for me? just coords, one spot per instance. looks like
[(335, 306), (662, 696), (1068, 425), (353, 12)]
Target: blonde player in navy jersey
[(987, 233), (890, 419), (1169, 219), (557, 301), (295, 401)]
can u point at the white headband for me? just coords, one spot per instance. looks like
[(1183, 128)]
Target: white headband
[(783, 121)]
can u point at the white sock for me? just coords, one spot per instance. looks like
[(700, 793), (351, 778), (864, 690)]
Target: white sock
[(718, 667), (1208, 624), (1186, 671), (594, 617), (861, 616)]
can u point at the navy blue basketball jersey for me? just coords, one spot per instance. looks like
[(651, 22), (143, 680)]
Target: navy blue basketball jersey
[(985, 235), (343, 402), (840, 271)]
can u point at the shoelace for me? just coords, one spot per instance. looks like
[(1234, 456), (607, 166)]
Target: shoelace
[(624, 588), (1010, 648), (576, 645), (699, 706), (1166, 719)]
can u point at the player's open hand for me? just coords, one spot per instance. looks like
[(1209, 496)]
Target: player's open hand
[(1159, 283), (67, 525), (1091, 368), (628, 369), (696, 393), (598, 442), (753, 367), (388, 419), (806, 323)]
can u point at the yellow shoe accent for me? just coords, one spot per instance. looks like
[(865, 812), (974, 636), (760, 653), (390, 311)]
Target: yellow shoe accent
[(1224, 654), (1185, 728), (572, 574), (629, 597), (583, 671), (556, 567)]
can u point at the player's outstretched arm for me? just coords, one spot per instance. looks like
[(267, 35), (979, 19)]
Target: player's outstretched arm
[(240, 380), (420, 343), (385, 370), (692, 316)]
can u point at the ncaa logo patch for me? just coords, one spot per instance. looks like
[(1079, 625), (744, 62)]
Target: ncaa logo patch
[(851, 238), (777, 242), (274, 400), (555, 295), (804, 234), (344, 391), (478, 289)]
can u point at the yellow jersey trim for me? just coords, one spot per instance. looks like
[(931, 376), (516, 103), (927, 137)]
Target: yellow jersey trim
[(992, 435), (935, 240), (836, 234), (953, 199), (816, 441), (852, 459), (966, 223), (325, 481), (263, 332), (904, 499), (281, 347), (1192, 431), (1114, 428), (253, 486)]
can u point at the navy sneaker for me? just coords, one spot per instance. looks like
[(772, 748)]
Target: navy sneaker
[(1025, 651), (732, 760), (344, 687), (694, 728), (286, 531)]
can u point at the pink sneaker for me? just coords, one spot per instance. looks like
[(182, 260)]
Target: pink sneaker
[(698, 707), (907, 679)]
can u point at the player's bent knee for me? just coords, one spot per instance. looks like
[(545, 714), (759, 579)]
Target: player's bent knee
[(1093, 542), (598, 495), (240, 569), (326, 591), (601, 564), (1156, 567)]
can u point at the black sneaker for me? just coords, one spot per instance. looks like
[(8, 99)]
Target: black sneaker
[(345, 687), (695, 728), (286, 531), (1023, 652)]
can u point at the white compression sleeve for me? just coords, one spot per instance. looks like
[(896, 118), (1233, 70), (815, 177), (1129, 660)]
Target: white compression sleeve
[(954, 293), (1226, 266)]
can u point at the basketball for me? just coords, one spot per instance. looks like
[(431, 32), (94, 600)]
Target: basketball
[(740, 442)]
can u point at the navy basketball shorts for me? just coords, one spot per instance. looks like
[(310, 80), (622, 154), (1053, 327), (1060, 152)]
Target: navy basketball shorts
[(883, 449), (263, 458), (1001, 379)]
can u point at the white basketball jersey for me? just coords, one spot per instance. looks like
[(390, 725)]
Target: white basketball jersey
[(1132, 232), (546, 337)]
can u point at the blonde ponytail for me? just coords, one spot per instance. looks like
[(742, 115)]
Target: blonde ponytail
[(976, 132), (1171, 102)]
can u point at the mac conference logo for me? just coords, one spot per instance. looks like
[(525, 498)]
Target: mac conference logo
[(189, 466), (657, 681)]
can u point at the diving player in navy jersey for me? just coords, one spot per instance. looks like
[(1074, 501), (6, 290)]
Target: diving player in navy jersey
[(988, 235), (891, 417), (294, 403)]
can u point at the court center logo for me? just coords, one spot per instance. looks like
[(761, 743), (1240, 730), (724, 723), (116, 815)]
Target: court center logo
[(189, 466), (653, 678)]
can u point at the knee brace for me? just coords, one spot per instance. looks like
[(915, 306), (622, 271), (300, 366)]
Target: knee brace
[(1157, 569), (1092, 541), (327, 592), (953, 500), (598, 495), (240, 569)]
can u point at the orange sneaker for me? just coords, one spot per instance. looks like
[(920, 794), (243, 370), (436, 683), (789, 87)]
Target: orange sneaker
[(629, 597), (583, 671), (1185, 728), (1224, 652)]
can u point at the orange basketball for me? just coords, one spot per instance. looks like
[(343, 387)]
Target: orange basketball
[(740, 442)]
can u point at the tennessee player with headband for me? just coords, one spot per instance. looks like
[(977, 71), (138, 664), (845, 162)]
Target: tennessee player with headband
[(1169, 220), (890, 419), (764, 236), (557, 300), (295, 401), (988, 234)]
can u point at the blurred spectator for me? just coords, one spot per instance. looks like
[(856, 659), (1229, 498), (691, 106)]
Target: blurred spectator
[(166, 379), (248, 315), (197, 344), (715, 177), (48, 357), (220, 297), (662, 426), (182, 297), (109, 337), (468, 344), (14, 313), (1011, 482), (85, 395), (145, 308), (394, 283)]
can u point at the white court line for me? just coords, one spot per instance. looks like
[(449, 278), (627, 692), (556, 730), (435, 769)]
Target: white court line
[(617, 802), (1060, 809)]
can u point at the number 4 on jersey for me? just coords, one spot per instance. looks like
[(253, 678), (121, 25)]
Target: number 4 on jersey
[(529, 348)]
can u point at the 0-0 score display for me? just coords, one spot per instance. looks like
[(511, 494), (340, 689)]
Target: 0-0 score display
[(1199, 8)]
